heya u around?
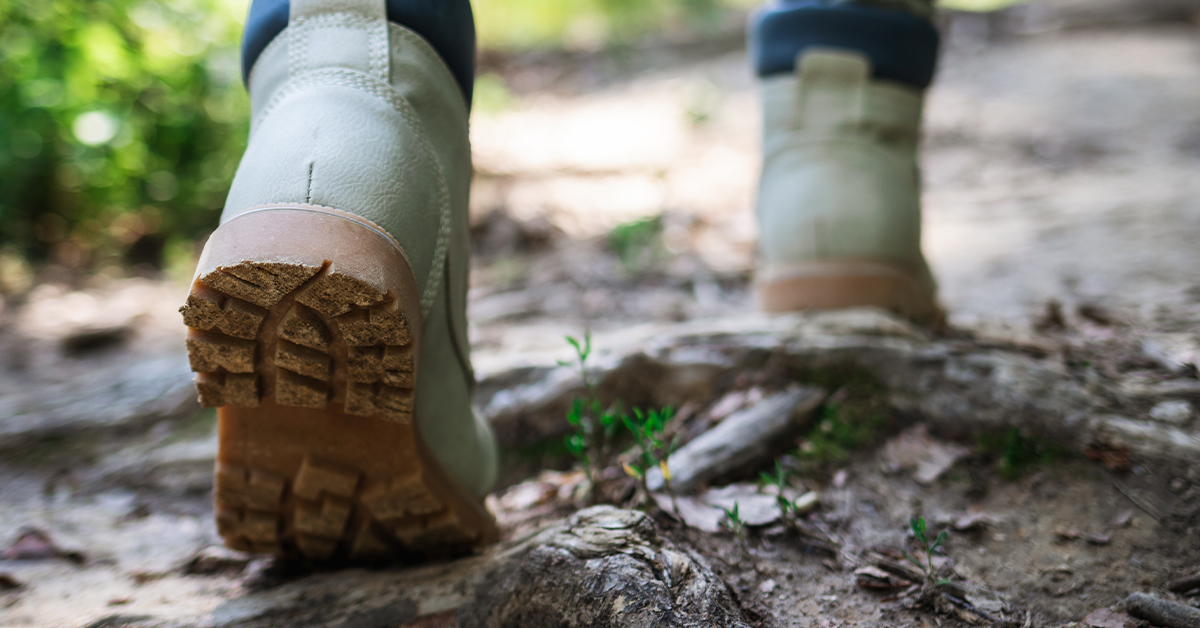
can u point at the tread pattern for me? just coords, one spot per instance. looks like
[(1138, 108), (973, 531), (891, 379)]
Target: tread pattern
[(327, 331), (226, 309)]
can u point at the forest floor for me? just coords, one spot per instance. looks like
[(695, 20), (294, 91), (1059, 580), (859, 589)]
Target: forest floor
[(614, 193)]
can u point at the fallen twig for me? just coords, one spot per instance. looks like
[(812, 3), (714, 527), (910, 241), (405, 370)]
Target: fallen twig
[(895, 567), (814, 537), (1162, 612), (964, 605), (1185, 584), (872, 577), (1138, 502), (745, 438)]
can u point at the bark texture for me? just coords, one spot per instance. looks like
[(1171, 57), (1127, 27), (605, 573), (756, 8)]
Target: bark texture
[(605, 568)]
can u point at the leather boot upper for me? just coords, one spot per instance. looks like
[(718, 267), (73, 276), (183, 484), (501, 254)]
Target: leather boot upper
[(840, 180), (353, 112)]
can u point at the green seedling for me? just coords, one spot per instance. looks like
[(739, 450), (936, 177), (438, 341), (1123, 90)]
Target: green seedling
[(592, 424), (937, 591), (918, 529), (652, 450), (638, 243), (734, 522), (787, 508), (857, 415), (1017, 453)]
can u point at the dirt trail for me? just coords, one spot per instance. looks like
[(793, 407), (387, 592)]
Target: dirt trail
[(1058, 166)]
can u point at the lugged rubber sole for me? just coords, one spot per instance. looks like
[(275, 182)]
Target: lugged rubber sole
[(837, 285), (304, 332)]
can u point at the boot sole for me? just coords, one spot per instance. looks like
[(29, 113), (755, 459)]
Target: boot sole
[(304, 330), (839, 285)]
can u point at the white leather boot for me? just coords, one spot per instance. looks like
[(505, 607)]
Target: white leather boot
[(839, 200), (327, 314)]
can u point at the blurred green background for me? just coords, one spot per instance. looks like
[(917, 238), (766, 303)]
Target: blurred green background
[(122, 121)]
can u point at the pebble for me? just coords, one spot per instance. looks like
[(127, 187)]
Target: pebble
[(216, 559), (807, 502), (839, 478), (1175, 412)]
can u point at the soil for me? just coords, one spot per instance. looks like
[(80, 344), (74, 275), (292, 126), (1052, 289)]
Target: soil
[(1018, 553), (1060, 167)]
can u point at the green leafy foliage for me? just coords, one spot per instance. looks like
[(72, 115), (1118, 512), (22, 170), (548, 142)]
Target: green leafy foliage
[(733, 521), (121, 123), (780, 480), (917, 525), (637, 243), (855, 416), (647, 430), (592, 424), (653, 450), (584, 24), (1016, 453), (594, 429)]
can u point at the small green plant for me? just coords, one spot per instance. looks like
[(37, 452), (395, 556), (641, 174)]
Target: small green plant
[(918, 529), (637, 243), (787, 508), (935, 589), (593, 425), (857, 415), (734, 522), (1016, 453), (841, 429), (652, 450)]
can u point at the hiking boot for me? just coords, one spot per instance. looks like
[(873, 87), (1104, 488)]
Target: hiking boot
[(839, 200), (328, 312)]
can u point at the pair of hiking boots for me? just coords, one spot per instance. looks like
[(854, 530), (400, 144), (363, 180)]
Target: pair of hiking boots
[(328, 312)]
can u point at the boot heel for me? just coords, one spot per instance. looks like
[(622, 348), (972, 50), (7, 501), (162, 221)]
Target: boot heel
[(305, 325), (835, 285)]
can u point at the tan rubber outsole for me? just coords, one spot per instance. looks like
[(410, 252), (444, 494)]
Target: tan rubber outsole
[(304, 333), (842, 285)]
